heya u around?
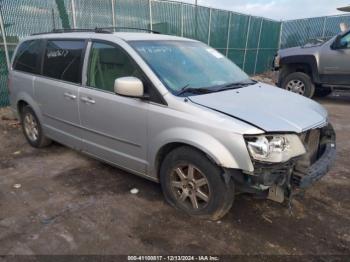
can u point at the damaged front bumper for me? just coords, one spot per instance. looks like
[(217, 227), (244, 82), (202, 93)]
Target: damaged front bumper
[(320, 168), (277, 181), (304, 176)]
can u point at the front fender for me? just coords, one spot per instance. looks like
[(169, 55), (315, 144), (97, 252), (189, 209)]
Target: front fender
[(309, 60), (204, 142)]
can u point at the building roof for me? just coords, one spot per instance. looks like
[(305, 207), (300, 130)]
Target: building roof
[(344, 9)]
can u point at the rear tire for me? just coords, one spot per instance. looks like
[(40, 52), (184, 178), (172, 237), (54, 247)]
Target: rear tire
[(32, 129), (299, 83), (195, 185)]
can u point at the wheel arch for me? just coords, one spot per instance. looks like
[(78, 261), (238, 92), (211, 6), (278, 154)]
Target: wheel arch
[(203, 142), (23, 99), (167, 148), (300, 63), (20, 105)]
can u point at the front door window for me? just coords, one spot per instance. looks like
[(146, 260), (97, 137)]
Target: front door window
[(107, 63), (345, 41)]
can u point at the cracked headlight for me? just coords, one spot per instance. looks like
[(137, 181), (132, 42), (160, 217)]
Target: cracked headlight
[(275, 148)]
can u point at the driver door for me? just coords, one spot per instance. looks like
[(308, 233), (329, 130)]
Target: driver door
[(114, 127), (334, 62)]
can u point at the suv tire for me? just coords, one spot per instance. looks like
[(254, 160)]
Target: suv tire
[(32, 129), (195, 185), (299, 83)]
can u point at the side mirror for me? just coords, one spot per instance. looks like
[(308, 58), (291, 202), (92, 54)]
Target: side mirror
[(129, 86)]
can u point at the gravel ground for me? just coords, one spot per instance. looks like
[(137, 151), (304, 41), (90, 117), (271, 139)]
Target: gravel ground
[(57, 201)]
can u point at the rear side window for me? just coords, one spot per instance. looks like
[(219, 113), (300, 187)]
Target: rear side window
[(63, 60), (27, 58)]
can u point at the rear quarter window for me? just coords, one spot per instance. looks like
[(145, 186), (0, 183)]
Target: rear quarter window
[(63, 60), (27, 57)]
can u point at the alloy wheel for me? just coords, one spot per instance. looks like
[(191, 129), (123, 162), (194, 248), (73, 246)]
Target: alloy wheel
[(31, 127), (190, 186), (296, 86)]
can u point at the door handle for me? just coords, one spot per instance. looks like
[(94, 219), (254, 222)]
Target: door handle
[(70, 95), (88, 100)]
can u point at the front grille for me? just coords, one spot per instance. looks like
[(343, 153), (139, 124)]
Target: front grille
[(313, 143), (311, 140)]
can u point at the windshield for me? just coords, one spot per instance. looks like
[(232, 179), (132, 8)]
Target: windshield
[(189, 65)]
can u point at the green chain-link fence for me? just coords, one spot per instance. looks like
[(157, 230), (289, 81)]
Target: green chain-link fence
[(300, 32), (249, 41), (3, 79)]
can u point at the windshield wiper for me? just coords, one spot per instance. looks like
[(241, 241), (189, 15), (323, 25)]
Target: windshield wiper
[(188, 89), (202, 90), (235, 85)]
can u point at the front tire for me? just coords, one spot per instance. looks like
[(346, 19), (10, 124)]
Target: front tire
[(195, 185), (32, 129), (299, 83)]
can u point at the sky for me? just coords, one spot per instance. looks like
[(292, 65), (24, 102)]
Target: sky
[(278, 9)]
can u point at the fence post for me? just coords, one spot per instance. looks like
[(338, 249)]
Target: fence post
[(150, 14), (113, 14), (228, 34), (4, 40), (196, 21), (53, 19), (246, 43), (280, 37), (62, 11), (324, 27), (182, 19), (209, 26), (258, 47), (74, 14)]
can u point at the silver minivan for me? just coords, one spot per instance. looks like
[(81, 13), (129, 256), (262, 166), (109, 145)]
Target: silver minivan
[(172, 110)]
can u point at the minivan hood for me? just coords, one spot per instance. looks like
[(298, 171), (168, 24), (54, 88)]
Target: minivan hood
[(266, 107)]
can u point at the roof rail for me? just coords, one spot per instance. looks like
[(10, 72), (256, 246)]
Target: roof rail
[(101, 30), (77, 30), (115, 28), (67, 30)]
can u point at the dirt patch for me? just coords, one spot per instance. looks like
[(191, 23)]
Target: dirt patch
[(68, 203), (267, 78)]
